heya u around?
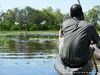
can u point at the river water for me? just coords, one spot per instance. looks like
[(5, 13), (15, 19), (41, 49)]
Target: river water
[(27, 55)]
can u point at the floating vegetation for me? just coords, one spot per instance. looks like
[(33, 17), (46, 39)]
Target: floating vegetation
[(4, 40)]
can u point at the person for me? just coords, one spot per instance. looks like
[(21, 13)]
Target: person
[(76, 38)]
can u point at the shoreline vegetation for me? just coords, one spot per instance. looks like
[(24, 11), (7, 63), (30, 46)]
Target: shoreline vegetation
[(33, 32), (30, 32)]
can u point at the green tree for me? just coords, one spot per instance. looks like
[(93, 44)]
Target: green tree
[(93, 15), (48, 15), (23, 19), (30, 16), (66, 16), (10, 16), (2, 19), (7, 25), (58, 17)]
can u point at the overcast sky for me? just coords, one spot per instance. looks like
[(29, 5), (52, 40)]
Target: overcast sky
[(63, 5)]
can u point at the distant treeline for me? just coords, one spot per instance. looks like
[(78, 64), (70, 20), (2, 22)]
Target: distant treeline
[(46, 19)]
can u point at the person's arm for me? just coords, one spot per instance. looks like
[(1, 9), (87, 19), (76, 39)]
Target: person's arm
[(61, 39), (60, 34)]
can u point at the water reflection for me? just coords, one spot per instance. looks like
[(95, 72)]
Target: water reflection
[(27, 46), (27, 55)]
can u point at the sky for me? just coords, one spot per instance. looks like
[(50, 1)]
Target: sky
[(63, 5)]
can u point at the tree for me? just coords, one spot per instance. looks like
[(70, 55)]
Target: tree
[(23, 18), (38, 17), (2, 19), (10, 16), (48, 15), (58, 17), (93, 15), (30, 16), (66, 16)]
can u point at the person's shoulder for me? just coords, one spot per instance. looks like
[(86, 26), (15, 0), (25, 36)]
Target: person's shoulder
[(88, 24)]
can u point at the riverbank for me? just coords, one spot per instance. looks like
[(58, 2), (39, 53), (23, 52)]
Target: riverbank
[(29, 32), (32, 32)]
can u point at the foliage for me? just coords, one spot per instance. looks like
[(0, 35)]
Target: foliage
[(98, 27), (3, 40), (66, 16), (58, 17), (14, 27), (93, 15), (7, 25), (46, 19), (33, 27), (44, 27)]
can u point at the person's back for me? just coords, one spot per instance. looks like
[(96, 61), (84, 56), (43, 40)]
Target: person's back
[(77, 36)]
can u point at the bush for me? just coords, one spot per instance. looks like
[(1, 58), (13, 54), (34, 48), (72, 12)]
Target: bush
[(24, 27), (7, 25), (54, 27), (43, 27), (14, 27), (33, 27)]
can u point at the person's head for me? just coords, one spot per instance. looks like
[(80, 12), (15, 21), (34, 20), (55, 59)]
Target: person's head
[(76, 10)]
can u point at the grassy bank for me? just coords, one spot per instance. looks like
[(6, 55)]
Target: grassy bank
[(29, 32), (32, 32)]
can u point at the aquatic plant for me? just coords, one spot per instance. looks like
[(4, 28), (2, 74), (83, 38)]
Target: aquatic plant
[(3, 40)]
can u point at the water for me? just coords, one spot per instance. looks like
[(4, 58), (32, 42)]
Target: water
[(27, 55)]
